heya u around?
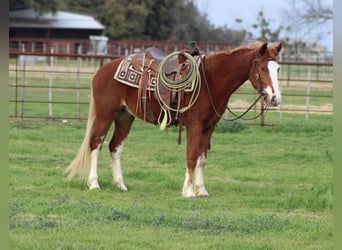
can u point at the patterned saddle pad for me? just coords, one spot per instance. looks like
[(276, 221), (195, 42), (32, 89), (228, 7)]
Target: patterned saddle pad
[(130, 71)]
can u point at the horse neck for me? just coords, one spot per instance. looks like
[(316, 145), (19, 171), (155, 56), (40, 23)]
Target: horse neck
[(225, 73), (230, 71)]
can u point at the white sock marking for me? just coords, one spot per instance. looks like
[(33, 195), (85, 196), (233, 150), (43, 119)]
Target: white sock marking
[(92, 178), (116, 168), (197, 188), (199, 178), (188, 189)]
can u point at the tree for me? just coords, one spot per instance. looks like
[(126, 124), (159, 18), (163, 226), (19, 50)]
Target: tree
[(190, 24), (264, 31), (40, 6), (89, 7), (133, 20), (175, 20), (160, 20), (311, 14), (124, 20)]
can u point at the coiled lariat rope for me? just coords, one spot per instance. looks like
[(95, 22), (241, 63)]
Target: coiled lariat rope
[(192, 77)]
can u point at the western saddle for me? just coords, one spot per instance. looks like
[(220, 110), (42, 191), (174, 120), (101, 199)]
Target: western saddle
[(140, 70)]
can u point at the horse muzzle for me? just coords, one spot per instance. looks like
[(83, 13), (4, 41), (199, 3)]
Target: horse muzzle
[(272, 100)]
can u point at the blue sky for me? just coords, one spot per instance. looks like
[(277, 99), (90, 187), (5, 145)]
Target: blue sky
[(224, 12)]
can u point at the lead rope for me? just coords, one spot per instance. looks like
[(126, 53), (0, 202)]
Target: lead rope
[(214, 108)]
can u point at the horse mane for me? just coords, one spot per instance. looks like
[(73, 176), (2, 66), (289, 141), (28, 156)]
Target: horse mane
[(271, 47), (250, 47), (255, 44)]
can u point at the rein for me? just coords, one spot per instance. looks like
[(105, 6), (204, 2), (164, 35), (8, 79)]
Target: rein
[(244, 113), (236, 116)]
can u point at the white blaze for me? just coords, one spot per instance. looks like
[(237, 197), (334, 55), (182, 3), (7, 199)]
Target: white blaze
[(273, 95)]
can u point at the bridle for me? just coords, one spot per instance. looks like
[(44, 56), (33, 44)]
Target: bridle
[(259, 87), (260, 90)]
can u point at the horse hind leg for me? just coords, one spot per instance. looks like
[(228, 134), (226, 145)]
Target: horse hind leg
[(123, 123), (92, 181), (96, 141), (85, 162)]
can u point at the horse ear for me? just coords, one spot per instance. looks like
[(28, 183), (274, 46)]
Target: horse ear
[(263, 48), (278, 47)]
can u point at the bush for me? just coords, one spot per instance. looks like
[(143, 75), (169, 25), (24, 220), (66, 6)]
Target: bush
[(229, 126)]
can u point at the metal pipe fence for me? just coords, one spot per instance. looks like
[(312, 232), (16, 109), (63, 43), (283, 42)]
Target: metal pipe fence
[(112, 47), (56, 86)]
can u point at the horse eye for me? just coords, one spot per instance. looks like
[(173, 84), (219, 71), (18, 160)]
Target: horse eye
[(263, 69)]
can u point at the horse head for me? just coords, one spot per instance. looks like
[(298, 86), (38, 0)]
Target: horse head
[(264, 73)]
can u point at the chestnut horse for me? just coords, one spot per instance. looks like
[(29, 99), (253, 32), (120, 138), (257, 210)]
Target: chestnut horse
[(221, 73)]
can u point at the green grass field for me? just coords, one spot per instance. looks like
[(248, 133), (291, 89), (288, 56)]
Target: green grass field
[(270, 188)]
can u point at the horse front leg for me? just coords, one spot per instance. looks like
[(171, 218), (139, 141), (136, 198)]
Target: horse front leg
[(197, 145), (199, 187), (116, 168), (188, 188), (194, 178)]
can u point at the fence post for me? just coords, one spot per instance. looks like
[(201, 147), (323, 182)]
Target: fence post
[(68, 58), (78, 79), (288, 70), (16, 87), (118, 50), (51, 83), (308, 87), (23, 81), (262, 117), (281, 90)]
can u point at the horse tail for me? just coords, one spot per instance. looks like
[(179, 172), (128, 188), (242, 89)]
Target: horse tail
[(81, 163)]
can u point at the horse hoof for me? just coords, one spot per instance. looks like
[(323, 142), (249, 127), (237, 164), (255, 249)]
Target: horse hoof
[(189, 195), (201, 192), (188, 192), (94, 186), (120, 185)]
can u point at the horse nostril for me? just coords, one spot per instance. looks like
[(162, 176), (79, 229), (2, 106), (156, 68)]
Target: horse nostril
[(273, 100)]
